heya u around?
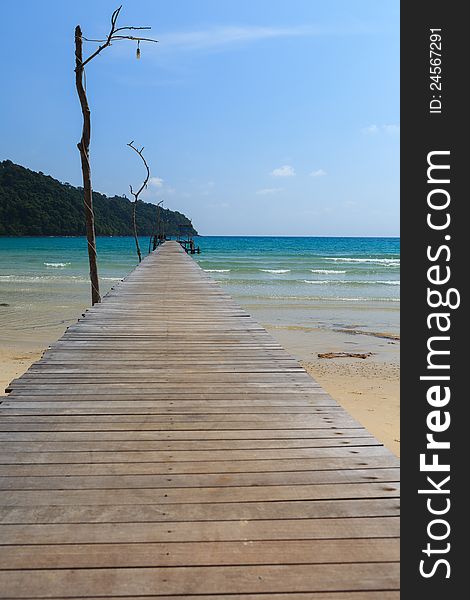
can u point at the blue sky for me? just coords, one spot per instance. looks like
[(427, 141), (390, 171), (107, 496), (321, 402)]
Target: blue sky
[(258, 117)]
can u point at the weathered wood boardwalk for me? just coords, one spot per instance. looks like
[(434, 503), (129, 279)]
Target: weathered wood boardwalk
[(167, 447)]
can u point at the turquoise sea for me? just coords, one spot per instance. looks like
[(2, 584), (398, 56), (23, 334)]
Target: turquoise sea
[(287, 281)]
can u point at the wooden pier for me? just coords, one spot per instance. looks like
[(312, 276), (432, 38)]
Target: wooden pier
[(168, 447)]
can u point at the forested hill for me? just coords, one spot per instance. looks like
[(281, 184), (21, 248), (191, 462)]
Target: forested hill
[(36, 204)]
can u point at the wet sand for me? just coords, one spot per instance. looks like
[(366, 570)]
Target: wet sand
[(368, 388), (369, 391), (21, 346), (14, 362)]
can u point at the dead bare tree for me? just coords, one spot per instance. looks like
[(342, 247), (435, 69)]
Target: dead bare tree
[(137, 194), (115, 34)]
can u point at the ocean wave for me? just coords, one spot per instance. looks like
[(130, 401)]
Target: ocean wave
[(217, 270), (379, 261), (275, 271), (34, 278), (322, 299), (327, 271), (349, 282), (364, 299), (41, 278), (58, 264)]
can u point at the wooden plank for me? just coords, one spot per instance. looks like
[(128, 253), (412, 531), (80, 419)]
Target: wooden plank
[(229, 511), (200, 580), (192, 440), (221, 467), (200, 495), (82, 452), (167, 446), (192, 480), (152, 554), (361, 595), (108, 408), (281, 529)]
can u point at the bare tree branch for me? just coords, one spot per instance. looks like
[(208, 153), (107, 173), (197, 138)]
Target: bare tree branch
[(107, 43), (131, 37), (139, 152), (123, 28), (118, 38), (112, 37), (137, 194)]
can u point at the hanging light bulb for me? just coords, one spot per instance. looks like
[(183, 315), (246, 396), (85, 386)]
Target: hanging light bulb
[(137, 54)]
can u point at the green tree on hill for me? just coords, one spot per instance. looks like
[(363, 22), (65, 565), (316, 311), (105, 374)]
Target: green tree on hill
[(35, 204)]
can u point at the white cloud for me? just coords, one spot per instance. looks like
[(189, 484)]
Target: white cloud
[(371, 129), (390, 129), (225, 35), (284, 171), (156, 182), (318, 173), (156, 189), (266, 191)]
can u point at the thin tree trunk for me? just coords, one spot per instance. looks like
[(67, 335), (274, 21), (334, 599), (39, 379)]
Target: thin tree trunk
[(159, 233), (134, 221), (84, 148), (157, 238)]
